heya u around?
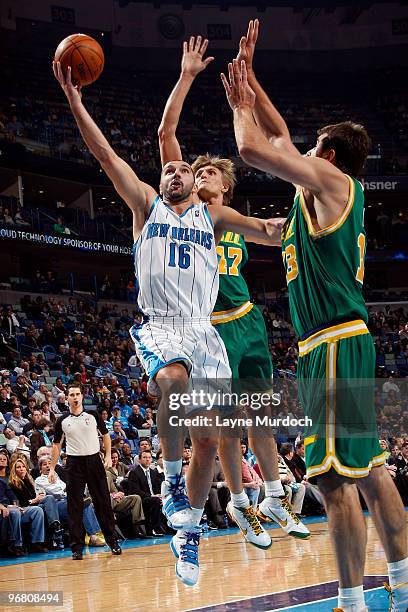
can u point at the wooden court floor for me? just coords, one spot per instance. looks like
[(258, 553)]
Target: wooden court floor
[(143, 577)]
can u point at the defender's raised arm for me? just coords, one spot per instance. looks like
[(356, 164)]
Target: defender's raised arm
[(192, 64)]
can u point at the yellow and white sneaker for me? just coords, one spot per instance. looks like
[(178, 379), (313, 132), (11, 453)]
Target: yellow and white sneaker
[(398, 597), (249, 525), (279, 510)]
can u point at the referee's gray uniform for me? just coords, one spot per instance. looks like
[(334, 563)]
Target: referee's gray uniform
[(84, 467)]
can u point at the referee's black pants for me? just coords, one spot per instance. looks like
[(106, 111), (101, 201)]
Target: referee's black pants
[(81, 471)]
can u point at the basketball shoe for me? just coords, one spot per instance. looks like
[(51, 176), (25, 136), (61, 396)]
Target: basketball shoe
[(278, 509), (398, 597), (185, 548), (249, 525), (176, 506)]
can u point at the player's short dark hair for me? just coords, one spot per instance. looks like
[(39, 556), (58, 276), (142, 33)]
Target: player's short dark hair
[(145, 451), (300, 442), (75, 385), (351, 143)]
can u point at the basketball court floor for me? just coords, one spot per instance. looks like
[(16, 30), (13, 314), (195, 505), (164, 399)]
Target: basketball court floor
[(291, 575)]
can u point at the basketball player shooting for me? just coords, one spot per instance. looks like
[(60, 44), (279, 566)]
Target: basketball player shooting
[(177, 272), (239, 323), (323, 244)]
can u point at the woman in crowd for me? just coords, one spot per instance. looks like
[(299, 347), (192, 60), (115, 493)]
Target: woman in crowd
[(119, 470), (4, 464), (23, 487)]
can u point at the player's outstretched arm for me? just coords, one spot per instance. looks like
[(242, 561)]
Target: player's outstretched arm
[(266, 115), (313, 173), (137, 194), (192, 64), (260, 231)]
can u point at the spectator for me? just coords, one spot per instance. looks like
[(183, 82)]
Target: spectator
[(117, 431), (250, 479), (33, 516), (127, 457), (40, 396), (17, 421), (136, 420), (15, 442), (118, 471), (295, 491), (144, 481), (39, 437), (59, 227), (58, 490), (23, 487), (8, 321), (4, 464)]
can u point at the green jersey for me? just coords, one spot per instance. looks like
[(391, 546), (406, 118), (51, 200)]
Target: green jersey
[(232, 256), (325, 268)]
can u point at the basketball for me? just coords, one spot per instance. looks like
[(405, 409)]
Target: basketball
[(85, 56)]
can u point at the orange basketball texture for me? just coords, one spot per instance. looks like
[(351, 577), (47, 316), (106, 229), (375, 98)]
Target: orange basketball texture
[(85, 56)]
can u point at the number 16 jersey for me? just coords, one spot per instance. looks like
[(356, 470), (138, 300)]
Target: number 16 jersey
[(325, 268), (176, 264)]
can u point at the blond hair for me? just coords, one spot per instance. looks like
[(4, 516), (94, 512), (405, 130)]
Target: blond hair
[(15, 480), (225, 166)]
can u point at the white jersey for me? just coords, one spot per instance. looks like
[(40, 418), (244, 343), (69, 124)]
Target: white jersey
[(176, 263)]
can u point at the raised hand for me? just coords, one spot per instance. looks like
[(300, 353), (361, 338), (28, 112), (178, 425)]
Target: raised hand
[(73, 92), (239, 93), (247, 44), (192, 62)]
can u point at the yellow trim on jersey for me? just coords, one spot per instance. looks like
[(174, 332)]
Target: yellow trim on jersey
[(343, 470), (337, 224), (332, 334), (330, 460), (225, 316), (310, 440)]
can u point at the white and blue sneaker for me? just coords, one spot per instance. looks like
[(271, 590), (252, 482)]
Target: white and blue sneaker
[(176, 505), (185, 548)]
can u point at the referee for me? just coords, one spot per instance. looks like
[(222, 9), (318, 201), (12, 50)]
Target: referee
[(84, 467)]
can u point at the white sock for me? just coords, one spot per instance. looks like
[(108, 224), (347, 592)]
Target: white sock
[(172, 468), (352, 600), (197, 515), (274, 488), (398, 574), (240, 500)]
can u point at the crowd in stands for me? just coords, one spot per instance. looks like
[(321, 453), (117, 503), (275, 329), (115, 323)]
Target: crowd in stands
[(127, 105), (65, 340)]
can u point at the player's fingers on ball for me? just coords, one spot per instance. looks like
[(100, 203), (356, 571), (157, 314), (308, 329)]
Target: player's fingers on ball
[(197, 44)]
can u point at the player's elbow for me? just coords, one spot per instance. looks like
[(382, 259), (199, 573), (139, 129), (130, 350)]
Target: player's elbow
[(247, 152), (164, 133)]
